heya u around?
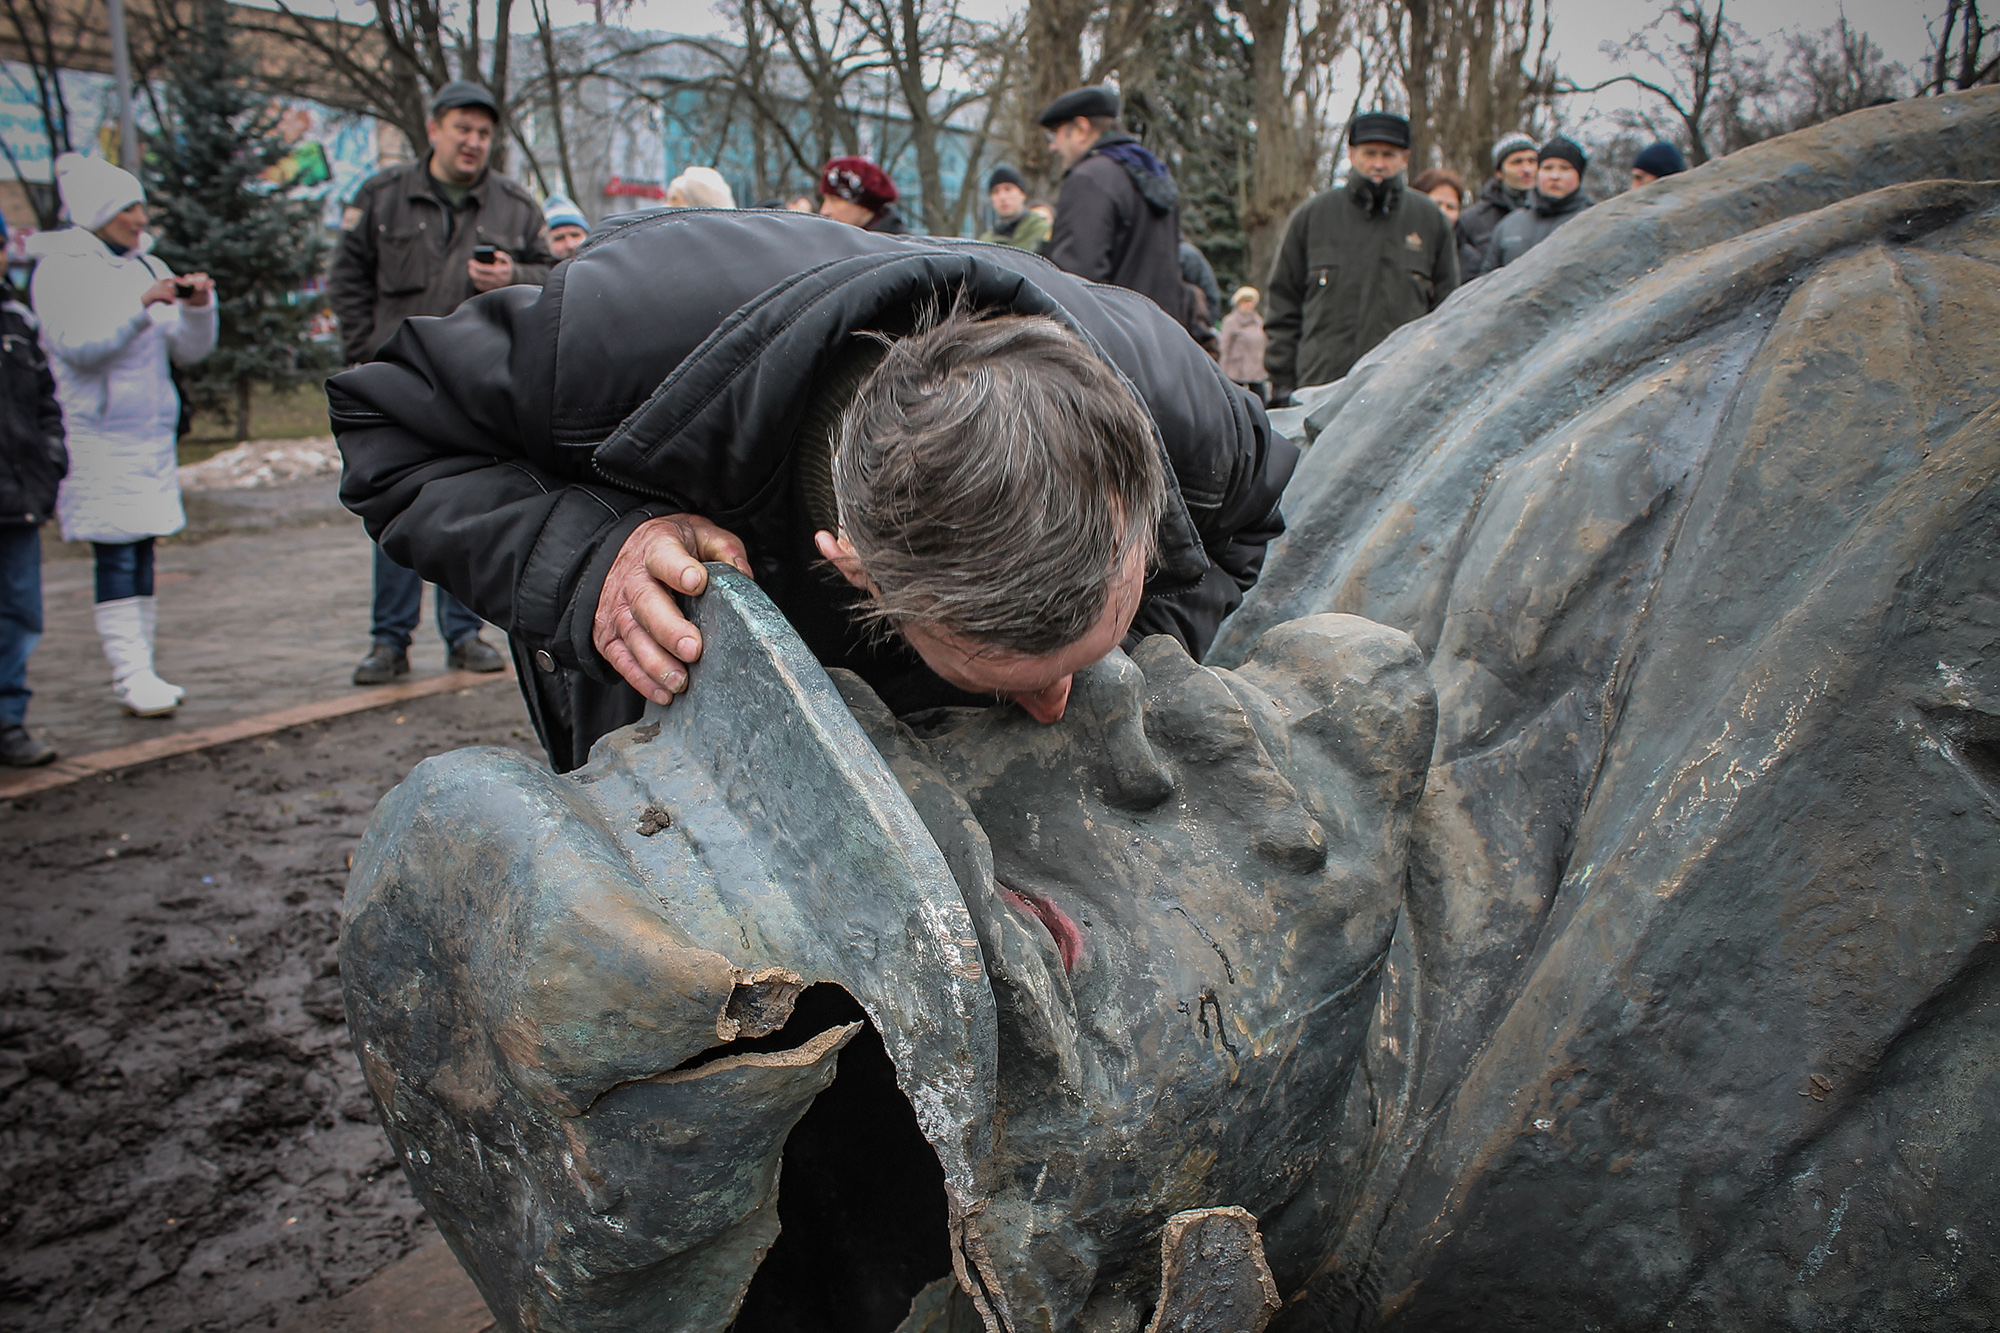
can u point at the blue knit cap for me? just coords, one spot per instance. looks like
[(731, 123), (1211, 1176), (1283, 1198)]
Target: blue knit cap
[(1660, 158), (561, 212)]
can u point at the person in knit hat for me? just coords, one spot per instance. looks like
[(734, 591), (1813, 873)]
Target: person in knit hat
[(1514, 160), (700, 187), (1656, 161), (1014, 223), (856, 191), (113, 318), (1558, 197), (568, 227)]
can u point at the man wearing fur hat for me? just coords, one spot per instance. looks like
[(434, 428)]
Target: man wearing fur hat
[(1507, 190), (1558, 197), (856, 191), (1357, 262)]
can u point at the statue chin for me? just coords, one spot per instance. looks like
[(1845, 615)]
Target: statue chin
[(783, 1013)]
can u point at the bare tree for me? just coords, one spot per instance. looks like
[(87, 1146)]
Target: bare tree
[(1835, 71), (1713, 79), (1477, 69), (929, 52), (1960, 53), (390, 68)]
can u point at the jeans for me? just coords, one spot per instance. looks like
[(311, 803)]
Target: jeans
[(124, 569), (20, 615), (399, 601)]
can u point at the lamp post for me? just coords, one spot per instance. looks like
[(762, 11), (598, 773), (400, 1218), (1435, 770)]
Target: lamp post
[(121, 72)]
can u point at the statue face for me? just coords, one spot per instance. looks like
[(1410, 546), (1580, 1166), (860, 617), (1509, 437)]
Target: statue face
[(985, 998), (1184, 892)]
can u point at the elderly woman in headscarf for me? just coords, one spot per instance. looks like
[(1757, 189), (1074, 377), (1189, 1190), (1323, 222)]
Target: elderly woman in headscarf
[(112, 318)]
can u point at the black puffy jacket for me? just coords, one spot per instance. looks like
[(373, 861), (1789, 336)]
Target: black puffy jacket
[(506, 451), (33, 460)]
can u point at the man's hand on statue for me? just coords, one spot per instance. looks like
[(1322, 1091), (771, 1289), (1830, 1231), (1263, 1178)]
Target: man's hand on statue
[(639, 628), (487, 277)]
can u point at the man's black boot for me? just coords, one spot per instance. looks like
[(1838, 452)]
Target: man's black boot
[(385, 662), (473, 653), (21, 748)]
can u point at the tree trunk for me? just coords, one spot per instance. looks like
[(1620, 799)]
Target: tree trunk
[(1055, 65), (242, 409), (1280, 175), (1418, 59), (497, 82)]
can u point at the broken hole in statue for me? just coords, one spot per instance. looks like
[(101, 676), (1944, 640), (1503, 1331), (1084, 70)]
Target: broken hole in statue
[(860, 1193)]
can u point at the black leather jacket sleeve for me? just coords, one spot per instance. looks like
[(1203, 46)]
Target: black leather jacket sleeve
[(512, 528)]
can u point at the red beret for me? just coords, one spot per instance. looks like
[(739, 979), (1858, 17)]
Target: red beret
[(858, 181)]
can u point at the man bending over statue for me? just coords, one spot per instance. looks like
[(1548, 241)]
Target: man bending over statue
[(958, 471)]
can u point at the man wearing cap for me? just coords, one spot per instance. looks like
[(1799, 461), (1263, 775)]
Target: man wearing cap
[(408, 248), (1656, 161), (856, 191), (1506, 191), (1357, 262), (1013, 223), (568, 227), (1118, 218), (1558, 197)]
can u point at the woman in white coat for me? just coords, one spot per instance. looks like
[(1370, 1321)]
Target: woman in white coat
[(112, 316)]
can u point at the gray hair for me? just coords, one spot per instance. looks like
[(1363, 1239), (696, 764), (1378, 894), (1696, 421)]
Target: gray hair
[(993, 475)]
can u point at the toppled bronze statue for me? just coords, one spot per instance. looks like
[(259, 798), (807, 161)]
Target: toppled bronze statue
[(1645, 974), (1121, 969)]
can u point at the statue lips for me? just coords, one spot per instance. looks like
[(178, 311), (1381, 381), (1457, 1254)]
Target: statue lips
[(1068, 939), (993, 1003)]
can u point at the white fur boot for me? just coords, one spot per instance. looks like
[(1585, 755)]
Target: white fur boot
[(149, 619), (122, 626)]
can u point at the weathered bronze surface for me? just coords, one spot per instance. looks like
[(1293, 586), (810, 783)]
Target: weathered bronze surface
[(1642, 972), (1075, 980), (1695, 1014)]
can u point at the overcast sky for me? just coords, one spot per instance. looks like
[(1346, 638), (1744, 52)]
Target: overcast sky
[(1582, 27)]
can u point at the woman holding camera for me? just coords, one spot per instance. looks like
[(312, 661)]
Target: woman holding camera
[(112, 317)]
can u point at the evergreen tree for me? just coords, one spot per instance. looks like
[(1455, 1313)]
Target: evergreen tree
[(216, 211)]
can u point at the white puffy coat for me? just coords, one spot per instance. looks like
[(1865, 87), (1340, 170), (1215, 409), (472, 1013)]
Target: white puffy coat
[(119, 406)]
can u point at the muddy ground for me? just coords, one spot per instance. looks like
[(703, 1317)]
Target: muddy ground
[(185, 1139)]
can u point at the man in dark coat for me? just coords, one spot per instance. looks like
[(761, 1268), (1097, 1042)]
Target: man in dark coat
[(33, 463), (1558, 197), (1356, 263), (408, 237), (1118, 217), (410, 245), (563, 459), (1507, 191)]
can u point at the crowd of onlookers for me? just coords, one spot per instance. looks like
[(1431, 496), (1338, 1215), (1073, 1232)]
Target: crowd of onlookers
[(92, 412)]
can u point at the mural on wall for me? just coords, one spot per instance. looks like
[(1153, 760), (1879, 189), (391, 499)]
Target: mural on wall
[(331, 152)]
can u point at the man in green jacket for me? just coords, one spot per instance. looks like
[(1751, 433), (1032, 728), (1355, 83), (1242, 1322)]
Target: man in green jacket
[(1013, 224), (1356, 263)]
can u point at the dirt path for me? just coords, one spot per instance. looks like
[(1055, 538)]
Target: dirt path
[(185, 1139)]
